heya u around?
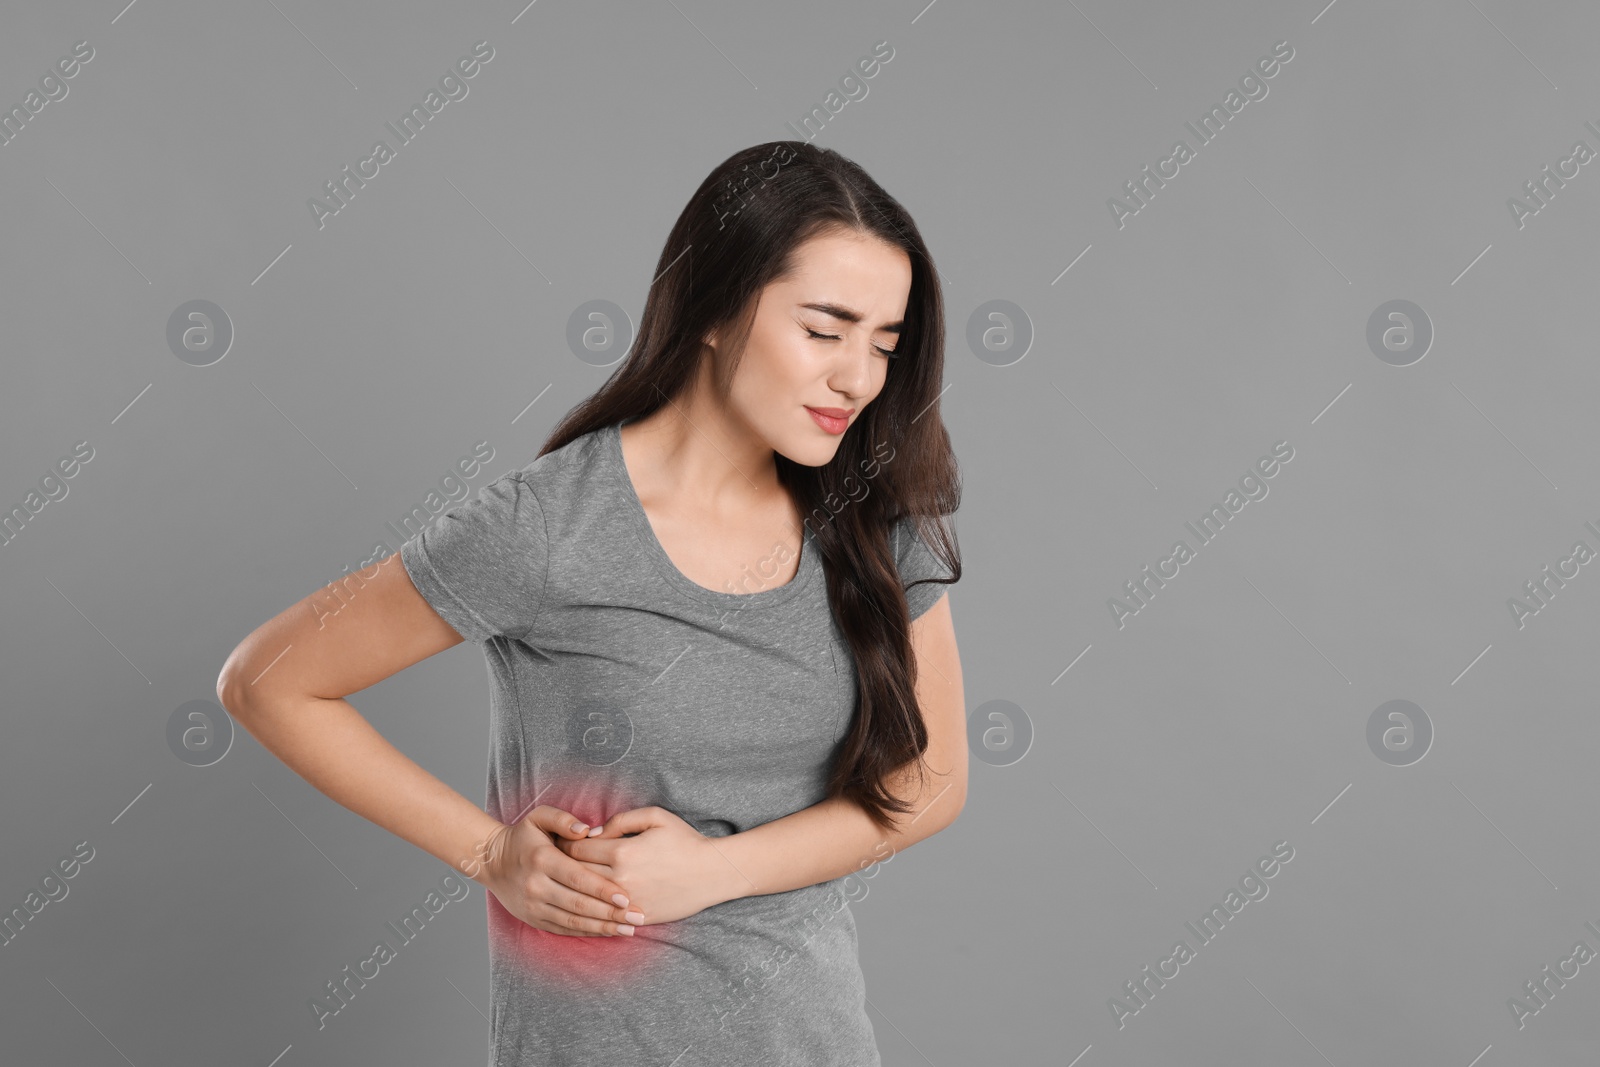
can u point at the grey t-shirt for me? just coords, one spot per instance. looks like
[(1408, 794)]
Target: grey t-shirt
[(617, 682)]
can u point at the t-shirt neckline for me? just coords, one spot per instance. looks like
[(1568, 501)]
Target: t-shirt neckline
[(639, 519)]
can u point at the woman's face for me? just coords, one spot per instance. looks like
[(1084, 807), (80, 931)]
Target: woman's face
[(818, 341)]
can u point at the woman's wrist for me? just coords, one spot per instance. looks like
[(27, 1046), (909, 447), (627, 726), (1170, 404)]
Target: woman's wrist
[(475, 851), (724, 880)]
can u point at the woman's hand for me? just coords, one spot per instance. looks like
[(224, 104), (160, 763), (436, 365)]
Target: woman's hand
[(669, 871), (526, 871)]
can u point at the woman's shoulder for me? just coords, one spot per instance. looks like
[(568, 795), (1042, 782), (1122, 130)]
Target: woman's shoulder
[(575, 487), (565, 472)]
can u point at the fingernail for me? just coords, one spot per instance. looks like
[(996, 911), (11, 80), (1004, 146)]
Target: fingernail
[(619, 900), (597, 830), (579, 827), (635, 917), (625, 930)]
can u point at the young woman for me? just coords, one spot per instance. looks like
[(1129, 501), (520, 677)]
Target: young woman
[(724, 674)]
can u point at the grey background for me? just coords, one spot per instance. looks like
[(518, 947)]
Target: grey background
[(1229, 314)]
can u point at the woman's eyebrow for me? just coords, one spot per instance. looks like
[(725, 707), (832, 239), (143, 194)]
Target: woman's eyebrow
[(839, 311)]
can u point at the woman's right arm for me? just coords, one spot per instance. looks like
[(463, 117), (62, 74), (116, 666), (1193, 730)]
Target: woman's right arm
[(286, 685)]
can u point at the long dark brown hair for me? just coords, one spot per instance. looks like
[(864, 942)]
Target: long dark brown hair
[(738, 233)]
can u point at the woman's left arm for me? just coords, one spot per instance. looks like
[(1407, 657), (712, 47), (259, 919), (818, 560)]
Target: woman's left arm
[(681, 872), (837, 837)]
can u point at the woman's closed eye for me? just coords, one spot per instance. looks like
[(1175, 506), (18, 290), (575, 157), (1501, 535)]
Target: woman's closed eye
[(834, 337)]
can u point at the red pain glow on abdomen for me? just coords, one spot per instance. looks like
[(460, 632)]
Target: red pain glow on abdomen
[(591, 796)]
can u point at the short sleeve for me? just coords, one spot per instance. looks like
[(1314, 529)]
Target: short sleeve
[(482, 564), (916, 561)]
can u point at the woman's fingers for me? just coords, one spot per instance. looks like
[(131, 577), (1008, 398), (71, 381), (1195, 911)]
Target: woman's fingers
[(584, 905), (564, 910), (581, 889), (558, 893), (632, 821), (591, 850), (556, 821), (530, 876), (556, 911)]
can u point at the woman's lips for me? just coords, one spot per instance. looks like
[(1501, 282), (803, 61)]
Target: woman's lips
[(833, 424)]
